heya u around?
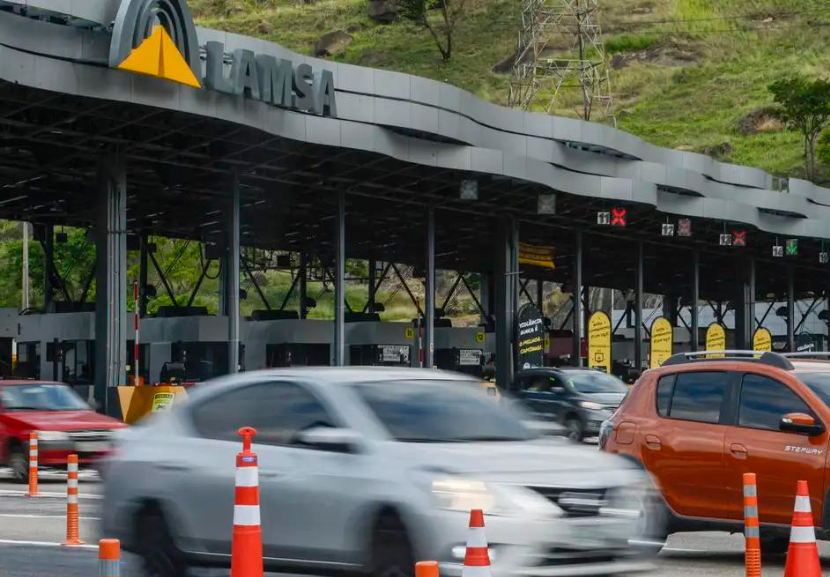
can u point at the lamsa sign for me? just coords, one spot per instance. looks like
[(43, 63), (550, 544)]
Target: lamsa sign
[(275, 81)]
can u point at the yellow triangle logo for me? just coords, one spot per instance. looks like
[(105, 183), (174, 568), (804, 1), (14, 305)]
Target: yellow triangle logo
[(158, 56)]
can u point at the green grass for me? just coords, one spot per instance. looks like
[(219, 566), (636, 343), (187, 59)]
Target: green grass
[(692, 68)]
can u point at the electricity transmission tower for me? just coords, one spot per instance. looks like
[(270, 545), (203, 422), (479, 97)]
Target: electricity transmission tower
[(560, 49)]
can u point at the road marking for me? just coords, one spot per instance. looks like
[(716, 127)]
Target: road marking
[(33, 516), (44, 544), (12, 493), (682, 550)]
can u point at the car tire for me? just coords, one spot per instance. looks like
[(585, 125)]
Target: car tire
[(654, 529), (391, 550), (576, 432), (19, 464), (159, 555)]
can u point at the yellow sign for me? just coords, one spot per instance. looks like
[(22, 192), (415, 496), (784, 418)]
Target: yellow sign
[(158, 56), (762, 340), (536, 255), (547, 342), (715, 339), (661, 341), (409, 333), (162, 401), (479, 337), (599, 341)]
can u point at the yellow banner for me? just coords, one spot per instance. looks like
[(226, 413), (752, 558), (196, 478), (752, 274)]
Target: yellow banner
[(661, 341), (599, 341), (762, 340), (536, 255), (715, 339)]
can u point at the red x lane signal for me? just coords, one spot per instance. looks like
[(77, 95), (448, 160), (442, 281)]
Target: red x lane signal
[(738, 238), (618, 216)]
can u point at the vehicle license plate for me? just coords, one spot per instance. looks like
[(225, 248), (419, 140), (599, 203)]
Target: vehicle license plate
[(92, 447)]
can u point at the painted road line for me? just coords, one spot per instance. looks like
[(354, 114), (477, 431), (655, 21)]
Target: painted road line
[(35, 516), (11, 493), (682, 550), (43, 544)]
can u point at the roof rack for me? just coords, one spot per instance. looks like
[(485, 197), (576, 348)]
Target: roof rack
[(767, 358)]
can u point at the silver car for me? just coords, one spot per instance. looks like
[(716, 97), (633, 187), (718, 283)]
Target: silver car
[(369, 470)]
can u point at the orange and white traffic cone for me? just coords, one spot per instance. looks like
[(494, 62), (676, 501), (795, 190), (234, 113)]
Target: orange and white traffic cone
[(752, 531), (246, 548), (33, 490), (109, 558), (802, 557), (73, 536), (426, 569), (477, 556)]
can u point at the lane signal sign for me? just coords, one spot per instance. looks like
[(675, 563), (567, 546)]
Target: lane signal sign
[(684, 227), (792, 246), (618, 216), (738, 238)]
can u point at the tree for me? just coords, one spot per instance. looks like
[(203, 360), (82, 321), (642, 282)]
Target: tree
[(823, 147), (441, 28), (804, 105)]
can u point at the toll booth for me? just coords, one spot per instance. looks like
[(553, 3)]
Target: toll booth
[(282, 339), (197, 340), (56, 346), (8, 330), (460, 349), (371, 342)]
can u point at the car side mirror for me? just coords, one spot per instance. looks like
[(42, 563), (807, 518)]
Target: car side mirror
[(800, 423), (330, 439)]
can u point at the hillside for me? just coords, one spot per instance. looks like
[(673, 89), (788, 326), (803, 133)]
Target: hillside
[(688, 74)]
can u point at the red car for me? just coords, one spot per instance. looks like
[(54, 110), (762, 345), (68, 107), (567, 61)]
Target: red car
[(64, 422)]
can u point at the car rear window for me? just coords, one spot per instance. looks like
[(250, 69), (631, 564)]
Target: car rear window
[(694, 396)]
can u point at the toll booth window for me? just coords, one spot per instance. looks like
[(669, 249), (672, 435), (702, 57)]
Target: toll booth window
[(28, 360), (78, 362), (278, 411), (764, 401), (699, 396)]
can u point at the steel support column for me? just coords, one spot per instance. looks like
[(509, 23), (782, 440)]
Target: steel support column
[(142, 274), (232, 277), (791, 308), (540, 295), (339, 282), (303, 272), (576, 316), (48, 261), (638, 307), (111, 279), (695, 297), (505, 280), (429, 295), (370, 305), (747, 305)]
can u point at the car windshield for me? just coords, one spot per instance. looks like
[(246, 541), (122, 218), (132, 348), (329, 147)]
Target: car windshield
[(440, 412), (819, 383), (40, 397), (591, 382)]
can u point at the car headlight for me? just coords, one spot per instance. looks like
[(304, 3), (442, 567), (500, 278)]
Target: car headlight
[(626, 502), (591, 405), (52, 436), (463, 495)]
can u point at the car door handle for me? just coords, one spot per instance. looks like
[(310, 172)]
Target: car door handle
[(173, 467), (738, 451), (654, 442)]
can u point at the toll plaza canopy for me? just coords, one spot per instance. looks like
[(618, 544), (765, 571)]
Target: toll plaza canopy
[(122, 117)]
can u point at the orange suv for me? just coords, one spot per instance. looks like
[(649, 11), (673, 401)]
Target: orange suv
[(698, 423)]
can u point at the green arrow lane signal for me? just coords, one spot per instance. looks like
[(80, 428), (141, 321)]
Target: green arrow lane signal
[(792, 246)]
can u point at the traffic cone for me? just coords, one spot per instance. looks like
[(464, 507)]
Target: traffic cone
[(802, 557), (33, 490), (109, 558), (752, 530), (426, 569), (73, 533), (477, 556), (246, 549)]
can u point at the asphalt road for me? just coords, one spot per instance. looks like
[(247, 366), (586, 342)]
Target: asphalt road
[(31, 531)]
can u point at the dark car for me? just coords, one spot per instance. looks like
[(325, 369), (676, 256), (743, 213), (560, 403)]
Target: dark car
[(580, 399)]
